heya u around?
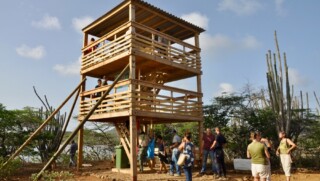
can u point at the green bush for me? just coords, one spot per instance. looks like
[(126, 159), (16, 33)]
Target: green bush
[(52, 176), (10, 168)]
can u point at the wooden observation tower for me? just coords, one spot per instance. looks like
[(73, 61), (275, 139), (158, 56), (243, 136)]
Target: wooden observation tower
[(153, 44)]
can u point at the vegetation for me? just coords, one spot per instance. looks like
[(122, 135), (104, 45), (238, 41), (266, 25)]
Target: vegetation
[(11, 168), (52, 176)]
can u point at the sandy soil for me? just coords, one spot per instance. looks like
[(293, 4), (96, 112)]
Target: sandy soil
[(98, 171)]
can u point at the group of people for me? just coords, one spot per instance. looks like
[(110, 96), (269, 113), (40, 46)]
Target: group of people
[(212, 145), (259, 153), (100, 83)]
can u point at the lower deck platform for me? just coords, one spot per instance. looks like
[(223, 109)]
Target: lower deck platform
[(143, 117)]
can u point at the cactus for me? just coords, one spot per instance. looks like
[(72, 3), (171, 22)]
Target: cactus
[(280, 100)]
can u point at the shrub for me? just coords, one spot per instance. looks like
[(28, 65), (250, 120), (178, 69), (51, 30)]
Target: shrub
[(52, 176), (10, 168)]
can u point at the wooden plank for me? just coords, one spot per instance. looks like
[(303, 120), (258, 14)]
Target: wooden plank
[(124, 144), (147, 19), (155, 26), (106, 16), (166, 116)]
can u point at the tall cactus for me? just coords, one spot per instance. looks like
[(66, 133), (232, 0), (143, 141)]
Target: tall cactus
[(280, 100), (51, 144)]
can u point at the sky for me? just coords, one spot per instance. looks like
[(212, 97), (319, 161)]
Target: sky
[(40, 44)]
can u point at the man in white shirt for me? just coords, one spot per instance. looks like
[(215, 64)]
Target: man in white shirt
[(175, 154)]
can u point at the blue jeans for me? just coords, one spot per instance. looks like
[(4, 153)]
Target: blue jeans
[(173, 164), (221, 167), (188, 173), (213, 161)]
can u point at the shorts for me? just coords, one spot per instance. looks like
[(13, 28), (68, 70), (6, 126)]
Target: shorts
[(259, 170), (286, 164)]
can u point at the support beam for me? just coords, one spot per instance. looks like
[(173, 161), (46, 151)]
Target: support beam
[(133, 146), (123, 142), (132, 121), (85, 40), (42, 126), (81, 131), (80, 125), (199, 90), (200, 129), (80, 148)]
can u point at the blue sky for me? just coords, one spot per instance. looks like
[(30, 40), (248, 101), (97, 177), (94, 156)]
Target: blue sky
[(40, 43)]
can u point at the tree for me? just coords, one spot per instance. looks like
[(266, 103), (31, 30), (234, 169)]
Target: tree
[(100, 141), (238, 115)]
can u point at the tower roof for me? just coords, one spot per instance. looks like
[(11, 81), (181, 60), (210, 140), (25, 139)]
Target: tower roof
[(146, 14)]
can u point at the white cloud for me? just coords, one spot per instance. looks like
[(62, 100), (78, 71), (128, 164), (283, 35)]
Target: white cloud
[(279, 7), (250, 42), (79, 23), (240, 7), (225, 88), (47, 22), (296, 79), (197, 19), (37, 52), (69, 69), (221, 43)]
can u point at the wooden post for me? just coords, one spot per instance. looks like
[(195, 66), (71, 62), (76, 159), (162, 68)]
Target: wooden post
[(85, 39), (133, 122), (199, 90), (197, 44), (200, 127), (80, 148), (133, 150), (80, 133)]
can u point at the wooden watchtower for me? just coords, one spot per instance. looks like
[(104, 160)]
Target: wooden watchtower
[(153, 43)]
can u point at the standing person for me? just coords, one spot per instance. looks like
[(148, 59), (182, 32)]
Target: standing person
[(73, 149), (268, 144), (91, 48), (98, 94), (150, 150), (175, 155), (259, 155), (143, 144), (187, 148), (105, 80), (284, 150), (207, 140), (162, 154), (218, 145)]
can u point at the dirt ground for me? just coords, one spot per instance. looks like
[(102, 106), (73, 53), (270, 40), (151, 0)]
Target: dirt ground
[(98, 171)]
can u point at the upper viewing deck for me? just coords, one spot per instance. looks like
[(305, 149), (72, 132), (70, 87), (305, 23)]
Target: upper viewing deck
[(156, 38)]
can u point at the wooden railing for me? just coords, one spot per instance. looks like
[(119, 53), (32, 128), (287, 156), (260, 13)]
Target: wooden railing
[(150, 41), (148, 97), (116, 101), (143, 40)]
